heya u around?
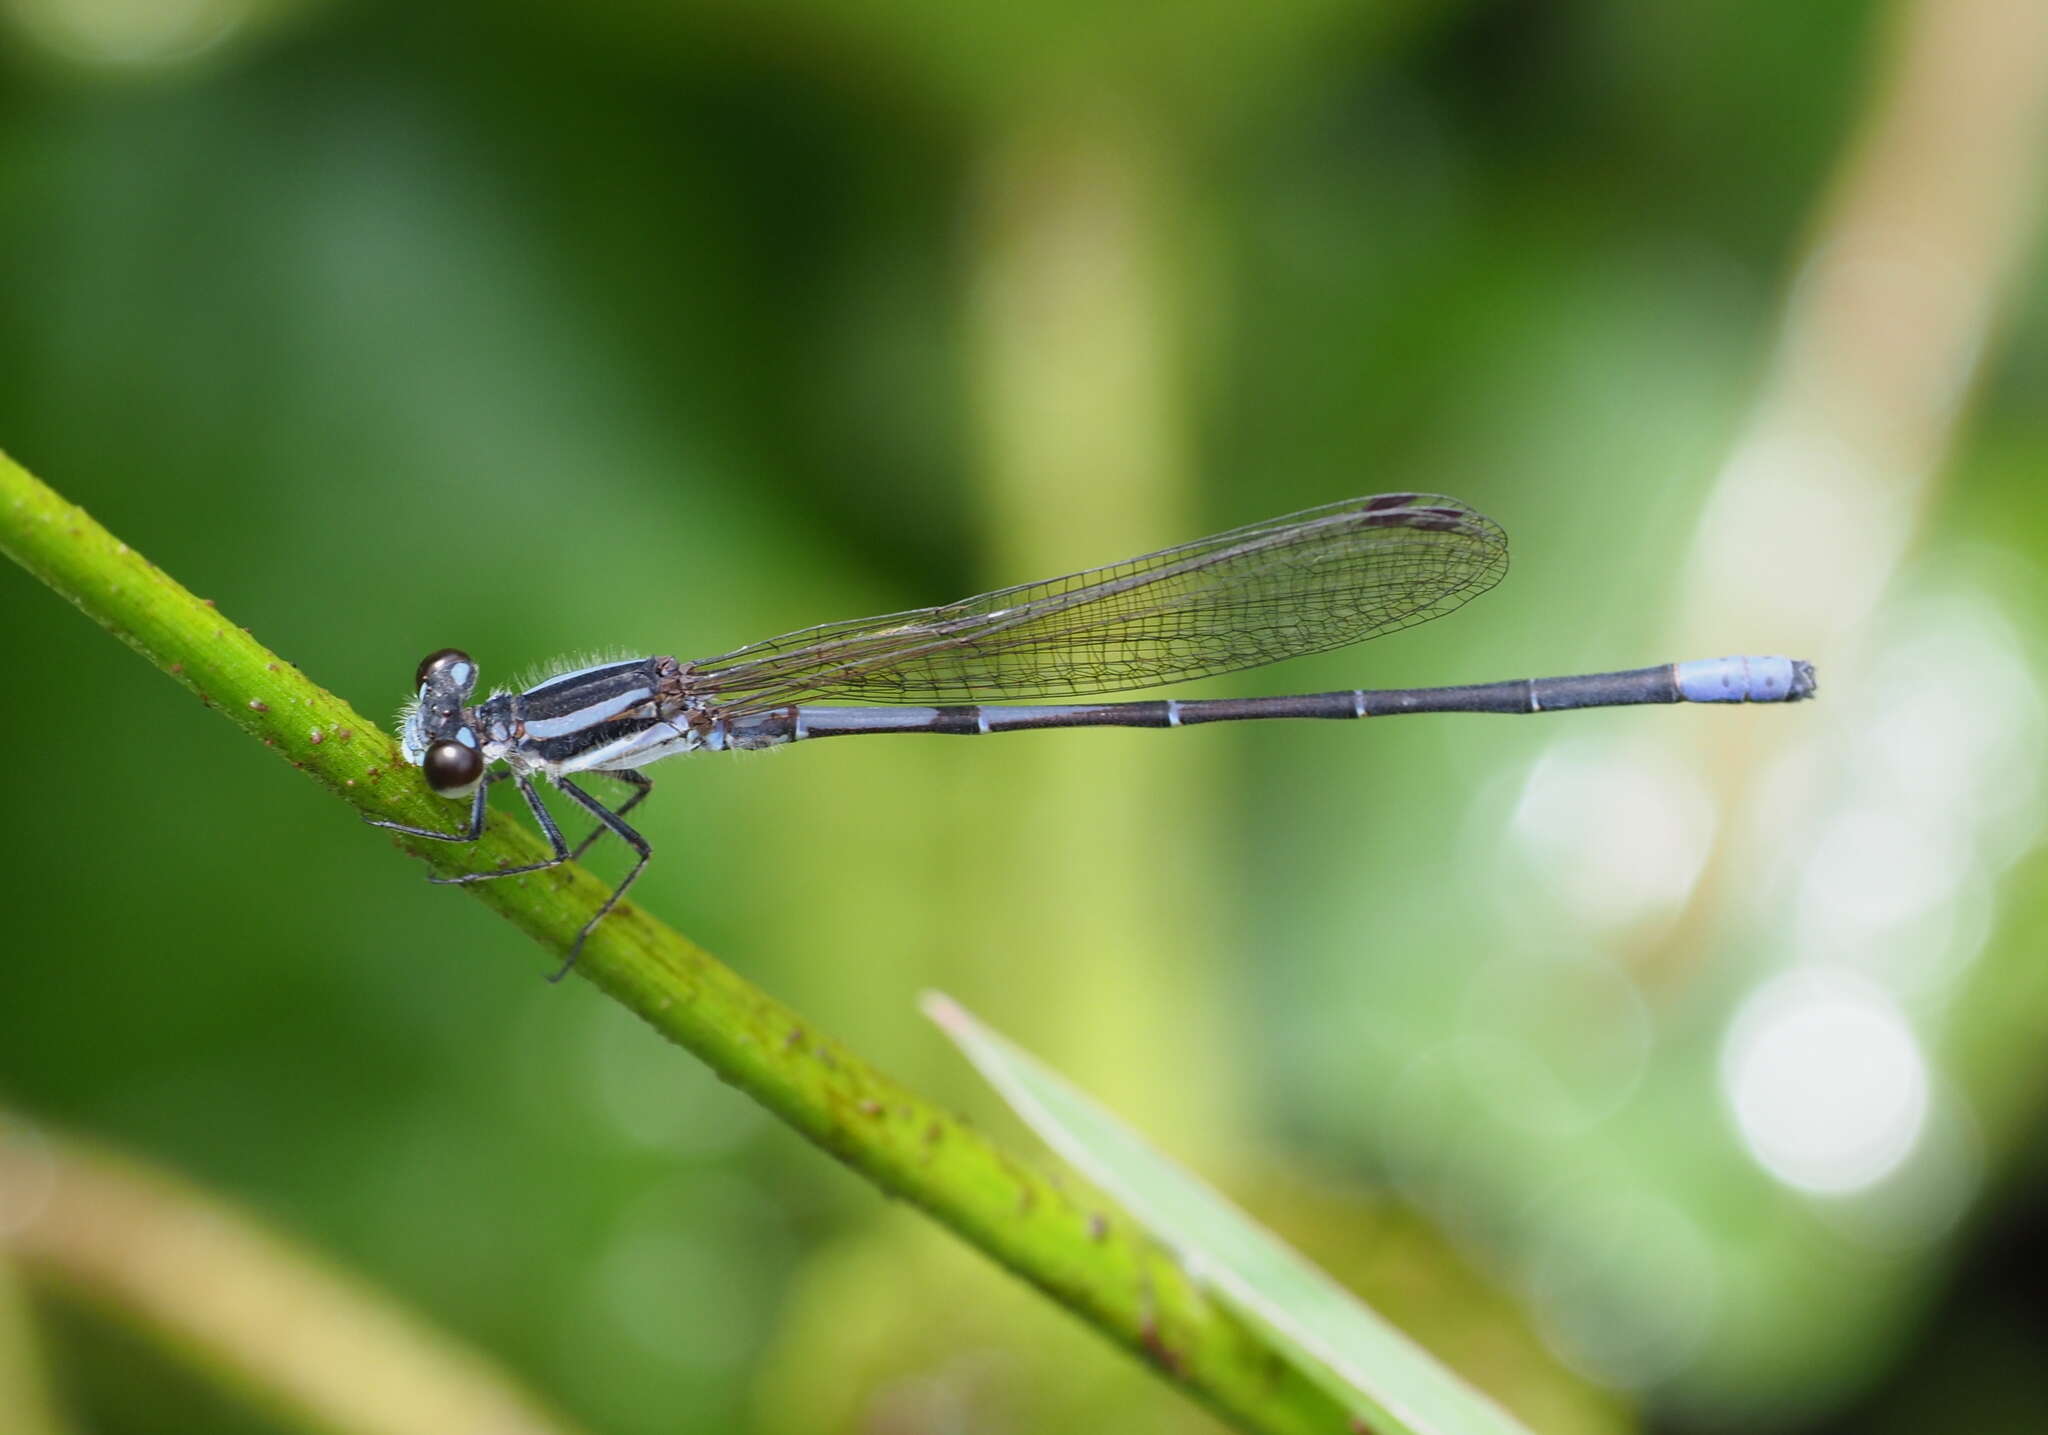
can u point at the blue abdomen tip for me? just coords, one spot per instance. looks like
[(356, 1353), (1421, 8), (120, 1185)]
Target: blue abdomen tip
[(1745, 680)]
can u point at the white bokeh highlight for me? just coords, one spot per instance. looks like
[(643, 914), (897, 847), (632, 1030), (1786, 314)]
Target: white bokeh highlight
[(129, 34), (1615, 833), (1881, 840), (1826, 1080)]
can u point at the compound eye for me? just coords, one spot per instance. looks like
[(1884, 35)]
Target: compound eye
[(451, 769), (437, 662)]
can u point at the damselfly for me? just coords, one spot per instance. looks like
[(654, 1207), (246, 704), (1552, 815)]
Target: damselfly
[(1302, 584)]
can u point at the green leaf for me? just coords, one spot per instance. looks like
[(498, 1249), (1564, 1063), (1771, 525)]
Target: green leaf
[(1390, 1383)]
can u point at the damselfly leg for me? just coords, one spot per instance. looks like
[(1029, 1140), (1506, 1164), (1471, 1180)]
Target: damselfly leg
[(627, 834), (641, 783), (609, 820), (476, 816)]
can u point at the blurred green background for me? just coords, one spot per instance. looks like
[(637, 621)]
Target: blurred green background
[(1673, 1068)]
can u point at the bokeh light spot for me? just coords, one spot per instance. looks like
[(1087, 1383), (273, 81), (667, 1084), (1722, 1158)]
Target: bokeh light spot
[(1616, 833), (1827, 1082), (128, 33)]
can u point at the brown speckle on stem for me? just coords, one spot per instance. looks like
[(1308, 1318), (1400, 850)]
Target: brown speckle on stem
[(1163, 1355), (257, 705)]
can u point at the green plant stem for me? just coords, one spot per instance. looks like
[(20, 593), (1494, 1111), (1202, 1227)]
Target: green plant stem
[(1083, 1255)]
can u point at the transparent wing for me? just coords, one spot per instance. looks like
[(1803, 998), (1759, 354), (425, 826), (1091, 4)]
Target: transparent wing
[(1306, 583)]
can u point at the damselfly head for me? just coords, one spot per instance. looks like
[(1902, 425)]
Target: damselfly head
[(436, 731)]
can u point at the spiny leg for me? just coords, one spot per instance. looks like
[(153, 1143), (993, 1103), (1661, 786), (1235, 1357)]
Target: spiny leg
[(607, 819), (476, 816), (548, 829), (627, 835), (642, 785)]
